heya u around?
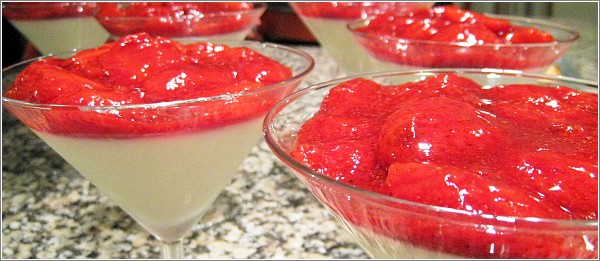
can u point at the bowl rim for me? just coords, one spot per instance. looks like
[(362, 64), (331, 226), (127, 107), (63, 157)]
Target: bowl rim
[(40, 5), (258, 9), (301, 169), (310, 64), (299, 7), (574, 34), (77, 10)]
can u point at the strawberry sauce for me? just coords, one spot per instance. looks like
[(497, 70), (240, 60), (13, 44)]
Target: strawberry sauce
[(510, 150), (450, 37), (452, 24), (140, 69), (446, 141), (175, 19)]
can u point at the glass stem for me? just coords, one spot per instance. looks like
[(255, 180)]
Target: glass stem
[(172, 250)]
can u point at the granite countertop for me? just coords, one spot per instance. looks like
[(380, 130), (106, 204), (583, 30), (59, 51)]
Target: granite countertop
[(50, 211)]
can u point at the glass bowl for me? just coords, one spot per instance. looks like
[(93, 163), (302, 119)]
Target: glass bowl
[(391, 53), (56, 27), (388, 227), (183, 26), (327, 21)]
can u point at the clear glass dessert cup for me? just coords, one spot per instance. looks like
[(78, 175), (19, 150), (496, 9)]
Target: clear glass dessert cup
[(162, 163), (387, 53), (227, 25), (388, 227), (57, 27), (327, 21)]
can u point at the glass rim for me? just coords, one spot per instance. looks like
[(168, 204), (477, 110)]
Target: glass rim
[(76, 10), (244, 43), (309, 173), (365, 7), (574, 34), (257, 10), (43, 5)]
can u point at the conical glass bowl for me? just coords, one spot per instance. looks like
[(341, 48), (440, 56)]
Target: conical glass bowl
[(388, 227)]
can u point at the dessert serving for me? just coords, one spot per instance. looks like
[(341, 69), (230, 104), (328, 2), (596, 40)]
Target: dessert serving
[(71, 25), (182, 21), (157, 125), (450, 37), (442, 163), (327, 21)]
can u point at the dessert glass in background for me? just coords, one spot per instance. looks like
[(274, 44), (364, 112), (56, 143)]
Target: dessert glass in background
[(56, 27), (328, 21), (182, 21), (163, 163), (389, 228), (390, 47)]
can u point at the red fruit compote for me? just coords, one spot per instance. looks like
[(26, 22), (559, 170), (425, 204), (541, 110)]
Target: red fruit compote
[(157, 125), (182, 21), (445, 166), (450, 37)]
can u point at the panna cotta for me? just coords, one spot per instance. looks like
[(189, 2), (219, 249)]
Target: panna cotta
[(56, 28), (328, 22), (164, 182)]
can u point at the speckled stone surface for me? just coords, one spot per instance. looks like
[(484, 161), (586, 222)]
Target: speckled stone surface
[(50, 211)]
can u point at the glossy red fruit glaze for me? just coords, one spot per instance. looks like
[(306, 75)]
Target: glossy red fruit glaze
[(459, 128), (46, 81), (47, 10), (460, 189), (174, 19), (140, 69), (345, 161), (415, 131), (509, 150), (137, 9), (452, 24), (130, 60)]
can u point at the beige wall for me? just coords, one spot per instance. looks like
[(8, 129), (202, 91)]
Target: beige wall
[(587, 11)]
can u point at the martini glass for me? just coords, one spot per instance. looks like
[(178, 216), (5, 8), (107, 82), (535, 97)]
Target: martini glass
[(216, 25), (57, 27), (392, 228), (327, 21), (162, 163)]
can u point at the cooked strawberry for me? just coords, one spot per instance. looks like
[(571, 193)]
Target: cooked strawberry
[(519, 35), (567, 181), (439, 130), (44, 81), (327, 127), (456, 188), (186, 81), (134, 57), (250, 65), (352, 97), (351, 162), (471, 34)]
